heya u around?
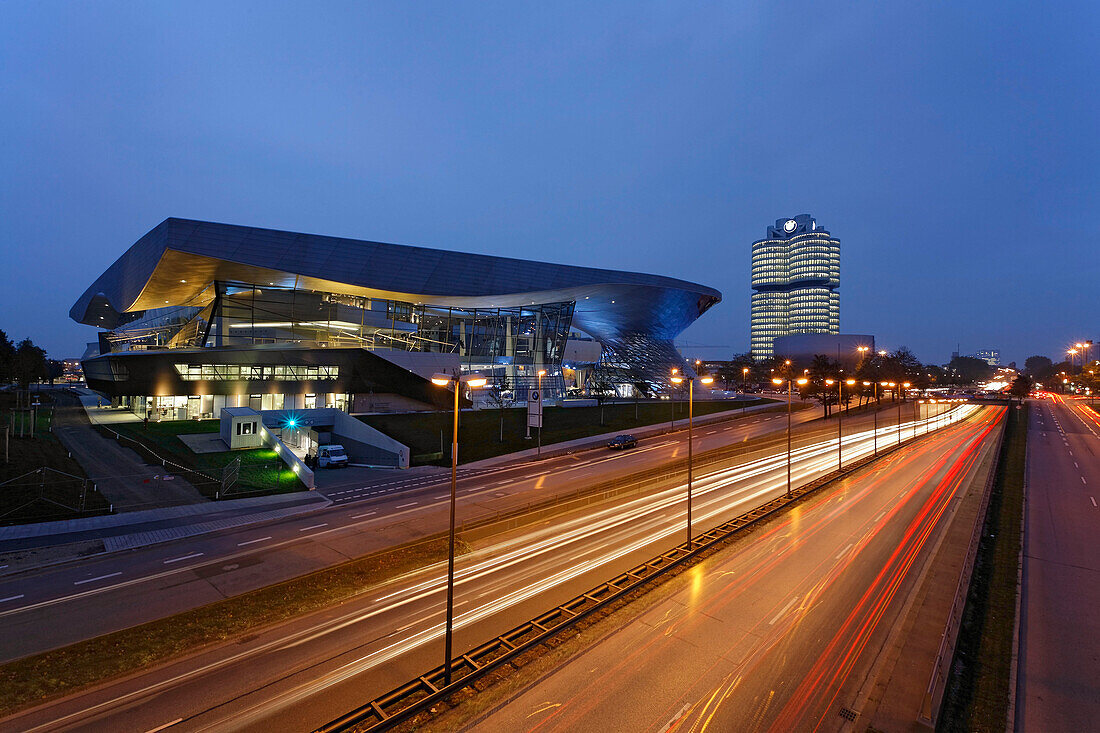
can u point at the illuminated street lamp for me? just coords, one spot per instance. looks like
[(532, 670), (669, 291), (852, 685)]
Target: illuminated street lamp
[(677, 379), (744, 378), (839, 417), (875, 438), (472, 381), (800, 381), (538, 451)]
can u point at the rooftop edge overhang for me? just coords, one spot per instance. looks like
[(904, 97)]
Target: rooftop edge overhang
[(175, 263)]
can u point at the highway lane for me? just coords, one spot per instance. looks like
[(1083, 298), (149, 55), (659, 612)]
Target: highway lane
[(1059, 667), (54, 606), (300, 674), (777, 632)]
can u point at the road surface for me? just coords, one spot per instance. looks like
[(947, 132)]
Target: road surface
[(1059, 668), (54, 606), (303, 673), (780, 631)]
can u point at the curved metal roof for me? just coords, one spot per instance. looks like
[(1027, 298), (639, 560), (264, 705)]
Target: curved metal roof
[(175, 262)]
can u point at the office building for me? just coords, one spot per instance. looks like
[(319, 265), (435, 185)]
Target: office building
[(989, 356), (795, 277)]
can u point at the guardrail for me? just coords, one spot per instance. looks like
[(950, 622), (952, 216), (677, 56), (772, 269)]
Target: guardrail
[(933, 696)]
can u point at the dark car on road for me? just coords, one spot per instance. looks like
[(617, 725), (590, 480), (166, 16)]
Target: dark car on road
[(619, 442)]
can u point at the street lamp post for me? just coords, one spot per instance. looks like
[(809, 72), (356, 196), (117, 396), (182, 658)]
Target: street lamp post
[(790, 397), (874, 437), (472, 381), (538, 451), (676, 379), (839, 417)]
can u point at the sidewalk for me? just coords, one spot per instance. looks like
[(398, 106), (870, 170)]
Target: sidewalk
[(599, 441)]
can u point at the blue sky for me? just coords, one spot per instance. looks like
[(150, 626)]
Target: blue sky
[(952, 147)]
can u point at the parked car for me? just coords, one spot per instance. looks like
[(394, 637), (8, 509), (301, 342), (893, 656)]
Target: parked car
[(327, 456), (621, 442)]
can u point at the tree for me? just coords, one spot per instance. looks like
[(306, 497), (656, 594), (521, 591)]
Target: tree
[(7, 359), (1021, 387), (969, 369), (499, 396), (822, 368), (1039, 367), (29, 364)]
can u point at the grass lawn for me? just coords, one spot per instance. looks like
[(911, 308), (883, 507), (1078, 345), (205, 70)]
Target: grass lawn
[(48, 497), (977, 693), (480, 431), (260, 467)]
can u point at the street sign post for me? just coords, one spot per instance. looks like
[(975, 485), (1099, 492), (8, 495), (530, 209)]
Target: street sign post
[(534, 409), (534, 414)]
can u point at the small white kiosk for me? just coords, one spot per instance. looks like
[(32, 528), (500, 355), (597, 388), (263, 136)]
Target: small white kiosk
[(240, 427)]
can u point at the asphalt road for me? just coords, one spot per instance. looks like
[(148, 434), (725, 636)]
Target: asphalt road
[(298, 675), (54, 606), (780, 631), (1059, 669)]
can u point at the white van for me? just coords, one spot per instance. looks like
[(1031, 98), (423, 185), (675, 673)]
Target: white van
[(328, 456)]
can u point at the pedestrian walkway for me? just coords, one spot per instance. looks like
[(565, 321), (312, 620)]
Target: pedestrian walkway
[(118, 473)]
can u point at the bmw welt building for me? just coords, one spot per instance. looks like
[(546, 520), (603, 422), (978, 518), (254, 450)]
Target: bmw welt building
[(197, 316)]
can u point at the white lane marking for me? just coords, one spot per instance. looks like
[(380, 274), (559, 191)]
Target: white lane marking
[(1083, 480), (2, 567), (313, 526), (672, 721), (845, 551), (360, 516), (880, 515), (185, 557), (1093, 500), (166, 725), (785, 609), (1075, 464), (11, 598), (252, 542), (100, 577), (445, 496), (403, 506)]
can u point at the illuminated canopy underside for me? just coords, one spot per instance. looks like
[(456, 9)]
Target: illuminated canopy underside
[(175, 263)]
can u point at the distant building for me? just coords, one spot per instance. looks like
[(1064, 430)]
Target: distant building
[(795, 277), (989, 356), (71, 371), (843, 347)]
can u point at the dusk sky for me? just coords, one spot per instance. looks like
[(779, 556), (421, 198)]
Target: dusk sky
[(952, 147)]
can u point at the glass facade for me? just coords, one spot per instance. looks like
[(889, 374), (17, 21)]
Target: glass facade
[(795, 278), (510, 345)]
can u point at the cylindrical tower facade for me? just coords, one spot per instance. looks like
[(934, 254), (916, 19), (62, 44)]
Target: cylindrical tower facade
[(795, 279)]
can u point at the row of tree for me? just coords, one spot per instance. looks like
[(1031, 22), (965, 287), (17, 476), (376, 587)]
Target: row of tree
[(897, 366), (1050, 374), (23, 363)]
